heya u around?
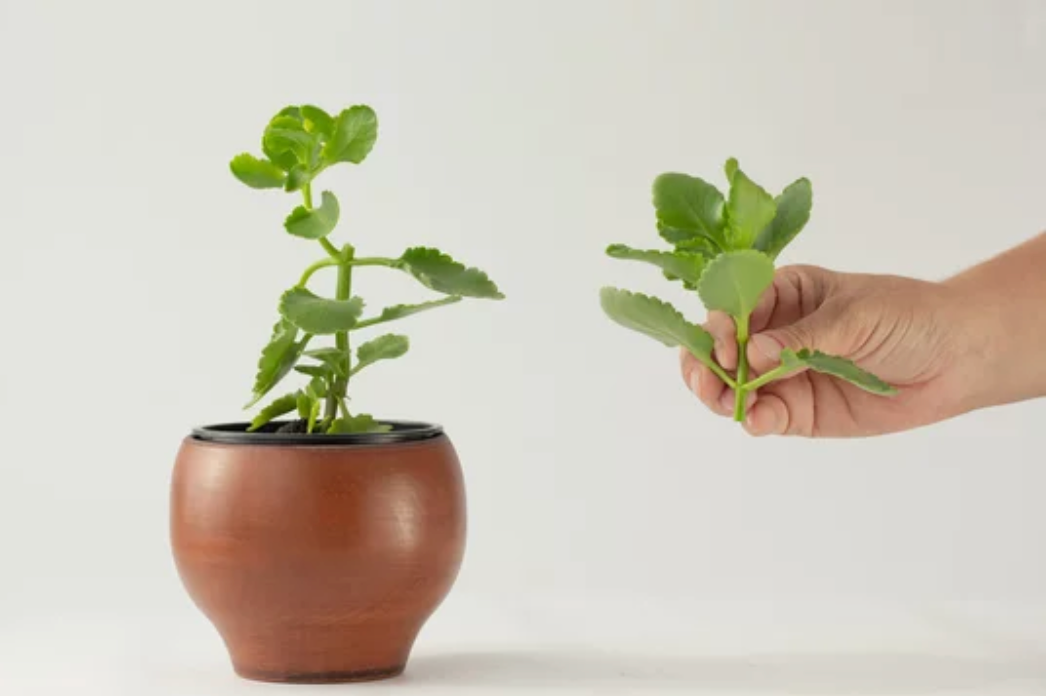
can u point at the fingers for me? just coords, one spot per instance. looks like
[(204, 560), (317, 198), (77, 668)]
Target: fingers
[(769, 417), (702, 382), (723, 331)]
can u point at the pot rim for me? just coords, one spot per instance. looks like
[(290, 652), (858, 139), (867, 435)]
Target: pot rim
[(236, 434)]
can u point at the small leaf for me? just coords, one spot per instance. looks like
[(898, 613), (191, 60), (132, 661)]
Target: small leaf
[(285, 135), (282, 405), (318, 315), (734, 281), (437, 271), (657, 319), (313, 370), (837, 367), (362, 423), (277, 358), (405, 310), (316, 223), (730, 168), (333, 360), (384, 347), (316, 120), (678, 265), (354, 133), (690, 205), (793, 212), (304, 404), (256, 173), (748, 211), (314, 414)]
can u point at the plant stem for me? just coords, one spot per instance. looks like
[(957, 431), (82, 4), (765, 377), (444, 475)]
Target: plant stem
[(721, 374), (742, 388), (322, 263), (374, 261), (341, 339), (767, 377)]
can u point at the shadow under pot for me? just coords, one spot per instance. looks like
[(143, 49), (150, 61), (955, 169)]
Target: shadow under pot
[(318, 558)]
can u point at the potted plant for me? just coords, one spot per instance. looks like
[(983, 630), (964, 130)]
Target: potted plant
[(318, 545), (724, 250)]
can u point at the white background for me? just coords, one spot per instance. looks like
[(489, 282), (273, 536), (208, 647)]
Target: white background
[(138, 280)]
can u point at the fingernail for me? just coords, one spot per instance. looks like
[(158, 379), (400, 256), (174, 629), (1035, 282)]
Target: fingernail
[(770, 348)]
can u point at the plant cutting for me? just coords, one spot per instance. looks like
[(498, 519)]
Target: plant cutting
[(724, 249), (318, 545)]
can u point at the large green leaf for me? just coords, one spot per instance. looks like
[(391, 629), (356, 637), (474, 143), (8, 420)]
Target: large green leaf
[(677, 265), (837, 367), (657, 319), (282, 405), (690, 205), (734, 281), (405, 310), (319, 315), (354, 133), (793, 212), (384, 347), (362, 423), (256, 173), (277, 358), (437, 271), (748, 210), (316, 223)]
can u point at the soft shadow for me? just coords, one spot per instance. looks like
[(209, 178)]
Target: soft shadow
[(853, 674)]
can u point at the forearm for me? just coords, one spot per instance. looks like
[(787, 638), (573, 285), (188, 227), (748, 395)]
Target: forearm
[(1005, 301)]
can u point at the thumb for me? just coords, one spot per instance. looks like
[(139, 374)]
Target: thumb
[(819, 330)]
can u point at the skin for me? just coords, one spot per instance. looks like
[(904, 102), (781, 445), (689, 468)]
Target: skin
[(972, 341)]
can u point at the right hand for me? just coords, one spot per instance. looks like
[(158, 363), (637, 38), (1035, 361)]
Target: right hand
[(913, 334)]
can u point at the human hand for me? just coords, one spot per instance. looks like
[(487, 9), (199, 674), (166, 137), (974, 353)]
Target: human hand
[(911, 333)]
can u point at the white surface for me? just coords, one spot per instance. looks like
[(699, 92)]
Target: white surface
[(138, 280), (627, 646)]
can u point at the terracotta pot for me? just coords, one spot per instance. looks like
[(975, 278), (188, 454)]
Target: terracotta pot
[(318, 557)]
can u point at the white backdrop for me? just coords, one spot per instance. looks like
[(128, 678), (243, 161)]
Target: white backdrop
[(139, 280)]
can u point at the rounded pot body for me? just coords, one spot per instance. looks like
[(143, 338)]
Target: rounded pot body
[(318, 563)]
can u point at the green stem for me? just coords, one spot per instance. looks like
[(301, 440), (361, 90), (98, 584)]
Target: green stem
[(767, 377), (742, 387), (331, 250), (374, 261), (341, 339), (721, 374), (322, 263)]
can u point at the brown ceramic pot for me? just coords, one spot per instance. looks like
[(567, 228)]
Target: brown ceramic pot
[(318, 557)]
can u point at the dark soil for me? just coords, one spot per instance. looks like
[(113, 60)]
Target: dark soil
[(297, 426)]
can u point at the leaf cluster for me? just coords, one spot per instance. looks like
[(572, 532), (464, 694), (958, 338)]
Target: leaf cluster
[(723, 247)]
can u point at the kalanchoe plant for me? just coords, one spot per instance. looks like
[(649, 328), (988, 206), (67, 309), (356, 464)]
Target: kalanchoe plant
[(724, 250), (299, 144)]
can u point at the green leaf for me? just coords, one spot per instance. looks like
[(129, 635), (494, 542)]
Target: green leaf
[(690, 205), (362, 423), (657, 319), (318, 315), (285, 141), (437, 271), (333, 360), (314, 414), (405, 310), (316, 120), (304, 404), (734, 281), (354, 133), (730, 168), (837, 367), (686, 241), (256, 173), (313, 370), (678, 265), (297, 177), (282, 405), (748, 211), (316, 223), (277, 358), (384, 347), (793, 212)]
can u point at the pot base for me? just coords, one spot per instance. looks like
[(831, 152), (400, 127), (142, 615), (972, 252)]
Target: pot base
[(365, 675)]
